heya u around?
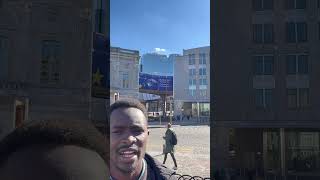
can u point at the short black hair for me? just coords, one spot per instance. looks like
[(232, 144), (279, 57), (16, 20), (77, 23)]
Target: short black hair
[(56, 132), (128, 103)]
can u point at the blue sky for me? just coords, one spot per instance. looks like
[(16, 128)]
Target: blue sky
[(166, 26)]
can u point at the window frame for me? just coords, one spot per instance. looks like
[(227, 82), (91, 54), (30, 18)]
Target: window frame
[(263, 62), (293, 4), (297, 65), (297, 93), (51, 55), (300, 32), (263, 5), (261, 29), (264, 92)]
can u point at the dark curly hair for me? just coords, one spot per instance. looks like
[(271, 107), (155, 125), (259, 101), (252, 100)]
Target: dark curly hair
[(56, 132), (128, 103)]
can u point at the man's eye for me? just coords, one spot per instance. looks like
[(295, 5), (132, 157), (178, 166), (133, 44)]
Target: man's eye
[(116, 132), (138, 130)]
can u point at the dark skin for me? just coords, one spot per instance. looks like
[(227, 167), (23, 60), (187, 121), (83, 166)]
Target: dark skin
[(128, 140), (52, 162)]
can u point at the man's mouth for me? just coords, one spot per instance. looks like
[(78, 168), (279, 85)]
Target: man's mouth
[(128, 155)]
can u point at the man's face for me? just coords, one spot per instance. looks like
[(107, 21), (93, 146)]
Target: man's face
[(128, 139)]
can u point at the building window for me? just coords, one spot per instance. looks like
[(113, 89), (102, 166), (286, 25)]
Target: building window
[(296, 32), (192, 82), (204, 109), (296, 4), (125, 80), (203, 81), (192, 59), (302, 150), (4, 61), (50, 63), (263, 98), (202, 71), (202, 59), (192, 72), (203, 92), (263, 33), (298, 98), (192, 92), (304, 97), (297, 64), (261, 5), (319, 29), (263, 65)]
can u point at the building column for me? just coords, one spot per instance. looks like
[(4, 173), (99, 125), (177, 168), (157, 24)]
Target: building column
[(198, 112), (283, 153), (220, 148)]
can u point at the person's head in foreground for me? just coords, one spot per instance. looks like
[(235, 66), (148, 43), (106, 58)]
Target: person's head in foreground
[(54, 150), (169, 125), (128, 140)]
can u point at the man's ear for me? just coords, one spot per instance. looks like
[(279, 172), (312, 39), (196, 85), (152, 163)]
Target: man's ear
[(148, 132)]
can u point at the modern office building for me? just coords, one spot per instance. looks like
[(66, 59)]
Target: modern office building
[(192, 83), (45, 57), (124, 73), (158, 64), (266, 86), (161, 65)]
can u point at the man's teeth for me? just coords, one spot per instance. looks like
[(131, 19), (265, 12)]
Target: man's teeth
[(127, 152)]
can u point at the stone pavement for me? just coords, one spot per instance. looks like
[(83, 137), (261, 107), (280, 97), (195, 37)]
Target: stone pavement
[(192, 151)]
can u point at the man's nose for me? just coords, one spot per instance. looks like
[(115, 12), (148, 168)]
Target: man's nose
[(129, 139)]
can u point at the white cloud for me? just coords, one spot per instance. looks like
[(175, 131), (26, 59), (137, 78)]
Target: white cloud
[(159, 50)]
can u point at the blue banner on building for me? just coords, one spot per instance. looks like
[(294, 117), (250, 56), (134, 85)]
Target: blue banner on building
[(156, 83), (100, 66)]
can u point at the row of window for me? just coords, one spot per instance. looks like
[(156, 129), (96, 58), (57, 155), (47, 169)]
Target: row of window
[(202, 59), (202, 81), (202, 72), (296, 32), (202, 92), (297, 98), (296, 64), (262, 5)]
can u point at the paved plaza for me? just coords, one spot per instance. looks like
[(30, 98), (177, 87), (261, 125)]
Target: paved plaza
[(192, 151)]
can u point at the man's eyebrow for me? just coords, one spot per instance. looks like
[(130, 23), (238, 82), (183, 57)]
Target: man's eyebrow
[(119, 127)]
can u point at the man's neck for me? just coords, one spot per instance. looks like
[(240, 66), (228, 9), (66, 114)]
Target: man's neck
[(117, 174)]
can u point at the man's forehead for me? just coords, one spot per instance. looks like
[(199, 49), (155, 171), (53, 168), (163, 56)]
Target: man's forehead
[(127, 117)]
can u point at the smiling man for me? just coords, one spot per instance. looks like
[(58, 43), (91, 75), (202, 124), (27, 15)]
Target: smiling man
[(128, 140)]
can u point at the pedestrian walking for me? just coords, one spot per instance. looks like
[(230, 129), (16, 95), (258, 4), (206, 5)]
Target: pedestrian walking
[(170, 141)]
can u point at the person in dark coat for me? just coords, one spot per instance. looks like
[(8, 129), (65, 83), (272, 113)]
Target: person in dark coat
[(128, 139), (169, 147), (54, 150)]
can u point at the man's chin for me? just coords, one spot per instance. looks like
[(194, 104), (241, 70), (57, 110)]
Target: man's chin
[(126, 165), (127, 168)]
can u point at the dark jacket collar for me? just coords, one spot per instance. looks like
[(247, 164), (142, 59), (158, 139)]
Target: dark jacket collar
[(158, 170)]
